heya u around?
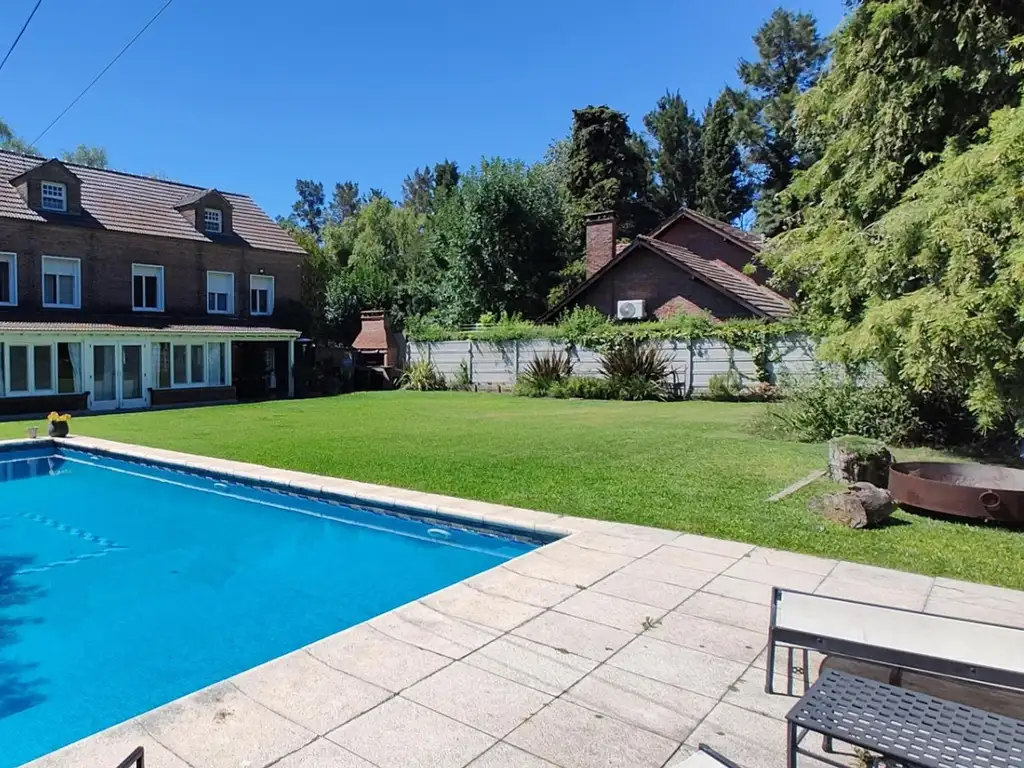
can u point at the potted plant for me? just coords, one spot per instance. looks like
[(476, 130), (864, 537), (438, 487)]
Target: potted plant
[(58, 424)]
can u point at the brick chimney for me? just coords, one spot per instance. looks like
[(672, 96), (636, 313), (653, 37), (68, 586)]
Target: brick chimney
[(602, 232)]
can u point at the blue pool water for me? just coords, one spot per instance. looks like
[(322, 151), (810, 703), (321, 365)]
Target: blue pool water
[(125, 585)]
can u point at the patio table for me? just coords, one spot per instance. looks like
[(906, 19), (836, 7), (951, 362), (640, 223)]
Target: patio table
[(905, 727)]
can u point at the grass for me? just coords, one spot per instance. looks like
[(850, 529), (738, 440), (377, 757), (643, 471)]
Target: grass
[(690, 466)]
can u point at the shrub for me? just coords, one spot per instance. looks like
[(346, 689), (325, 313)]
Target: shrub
[(635, 370), (422, 376), (462, 381), (724, 386), (831, 405), (761, 392), (543, 372), (587, 388)]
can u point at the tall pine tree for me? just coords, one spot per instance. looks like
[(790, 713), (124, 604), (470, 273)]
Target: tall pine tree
[(722, 192), (678, 152)]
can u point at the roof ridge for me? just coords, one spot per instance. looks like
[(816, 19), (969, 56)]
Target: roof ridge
[(116, 172)]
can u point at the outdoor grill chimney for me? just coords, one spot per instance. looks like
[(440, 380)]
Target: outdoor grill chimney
[(601, 235)]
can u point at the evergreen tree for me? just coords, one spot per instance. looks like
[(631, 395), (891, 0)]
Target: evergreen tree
[(678, 153), (446, 176), (345, 202), (418, 190), (721, 191), (308, 210)]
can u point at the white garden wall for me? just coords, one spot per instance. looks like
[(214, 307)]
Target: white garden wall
[(494, 366)]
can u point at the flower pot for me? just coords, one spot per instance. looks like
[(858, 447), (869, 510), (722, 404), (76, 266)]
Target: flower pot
[(57, 429)]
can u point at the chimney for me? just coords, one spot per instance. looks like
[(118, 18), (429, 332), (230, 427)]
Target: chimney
[(601, 236)]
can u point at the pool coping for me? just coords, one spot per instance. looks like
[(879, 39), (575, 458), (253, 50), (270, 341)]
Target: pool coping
[(616, 645)]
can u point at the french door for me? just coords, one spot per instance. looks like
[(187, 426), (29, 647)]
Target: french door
[(118, 376)]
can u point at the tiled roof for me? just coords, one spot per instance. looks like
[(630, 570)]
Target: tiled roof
[(22, 326), (726, 278), (142, 205), (741, 237), (680, 305)]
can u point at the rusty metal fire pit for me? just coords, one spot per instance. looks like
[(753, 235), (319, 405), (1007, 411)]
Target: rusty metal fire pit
[(976, 491)]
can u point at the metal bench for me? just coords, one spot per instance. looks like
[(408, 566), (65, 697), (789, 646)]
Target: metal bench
[(904, 727), (894, 639), (706, 757)]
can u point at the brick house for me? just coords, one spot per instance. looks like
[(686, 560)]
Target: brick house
[(690, 264), (122, 291)]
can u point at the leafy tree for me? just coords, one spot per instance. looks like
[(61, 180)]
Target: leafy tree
[(345, 202), (791, 57), (93, 157), (498, 242), (607, 169), (446, 177), (11, 141), (678, 154), (721, 191), (308, 210), (418, 190), (376, 193)]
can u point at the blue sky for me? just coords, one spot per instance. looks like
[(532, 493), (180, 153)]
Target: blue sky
[(248, 95)]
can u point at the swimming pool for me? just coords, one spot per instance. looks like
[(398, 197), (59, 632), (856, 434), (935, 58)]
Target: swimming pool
[(125, 585)]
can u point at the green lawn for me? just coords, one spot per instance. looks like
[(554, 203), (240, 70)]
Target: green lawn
[(691, 466)]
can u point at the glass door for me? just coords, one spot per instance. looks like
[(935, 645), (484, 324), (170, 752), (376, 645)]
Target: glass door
[(133, 390), (104, 377)]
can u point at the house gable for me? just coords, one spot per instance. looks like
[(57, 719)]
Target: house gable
[(710, 243), (193, 208), (29, 185)]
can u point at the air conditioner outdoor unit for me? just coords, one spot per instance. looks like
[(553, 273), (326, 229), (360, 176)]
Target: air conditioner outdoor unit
[(630, 310)]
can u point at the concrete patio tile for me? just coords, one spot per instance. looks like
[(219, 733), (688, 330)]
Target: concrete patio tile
[(376, 658), (221, 727), (775, 575), (422, 626), (964, 610), (682, 557), (402, 734), (504, 755), (477, 607), (723, 640), (615, 544), (655, 570), (109, 748), (882, 577), (639, 590), (308, 692), (521, 518), (320, 754), (644, 533), (487, 702), (723, 547), (727, 610), (871, 593), (568, 564), (684, 753), (583, 524), (999, 598), (524, 589), (584, 638), (682, 667), (538, 666), (747, 738), (664, 709), (748, 693), (574, 737), (615, 612), (740, 589), (795, 561)]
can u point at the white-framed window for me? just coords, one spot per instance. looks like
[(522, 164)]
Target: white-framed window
[(54, 196), (220, 293), (62, 282), (41, 367), (217, 363), (261, 295), (191, 364), (147, 288), (8, 280), (213, 220)]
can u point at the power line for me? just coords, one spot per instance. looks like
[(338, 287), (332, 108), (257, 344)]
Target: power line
[(113, 61), (22, 32)]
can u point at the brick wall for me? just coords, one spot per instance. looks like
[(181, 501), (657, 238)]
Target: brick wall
[(711, 245), (601, 232), (107, 258), (645, 275)]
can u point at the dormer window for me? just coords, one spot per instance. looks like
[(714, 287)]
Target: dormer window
[(54, 197), (213, 220)]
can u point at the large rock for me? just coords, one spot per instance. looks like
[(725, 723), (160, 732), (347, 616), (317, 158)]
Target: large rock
[(853, 459), (862, 505)]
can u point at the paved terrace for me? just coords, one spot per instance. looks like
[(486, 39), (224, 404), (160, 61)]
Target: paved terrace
[(616, 646)]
